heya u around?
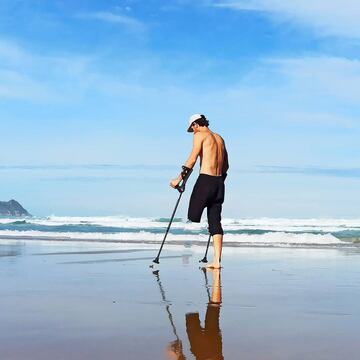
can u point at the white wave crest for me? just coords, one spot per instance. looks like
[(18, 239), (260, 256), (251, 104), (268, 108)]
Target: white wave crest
[(280, 238), (267, 224)]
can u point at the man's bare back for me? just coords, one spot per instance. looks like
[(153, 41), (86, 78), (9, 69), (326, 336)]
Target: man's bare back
[(212, 155), (210, 147)]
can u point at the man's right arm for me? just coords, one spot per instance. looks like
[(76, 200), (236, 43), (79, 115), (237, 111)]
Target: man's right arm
[(190, 162), (196, 150)]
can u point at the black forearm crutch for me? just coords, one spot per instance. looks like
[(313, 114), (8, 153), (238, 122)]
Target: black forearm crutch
[(204, 259), (180, 188)]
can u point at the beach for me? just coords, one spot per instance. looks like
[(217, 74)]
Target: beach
[(133, 128), (86, 300)]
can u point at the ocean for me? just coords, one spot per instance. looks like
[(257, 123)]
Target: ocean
[(251, 232)]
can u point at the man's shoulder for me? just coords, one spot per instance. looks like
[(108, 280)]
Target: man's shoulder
[(199, 135), (218, 136)]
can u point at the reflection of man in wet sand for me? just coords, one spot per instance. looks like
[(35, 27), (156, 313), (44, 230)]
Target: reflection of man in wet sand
[(205, 342), (209, 190)]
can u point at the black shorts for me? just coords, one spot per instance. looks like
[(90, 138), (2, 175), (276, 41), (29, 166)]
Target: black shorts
[(208, 192)]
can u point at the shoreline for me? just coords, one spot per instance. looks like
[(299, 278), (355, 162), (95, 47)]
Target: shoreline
[(185, 243)]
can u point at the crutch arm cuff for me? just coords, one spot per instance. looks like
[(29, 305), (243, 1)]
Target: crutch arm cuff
[(185, 173)]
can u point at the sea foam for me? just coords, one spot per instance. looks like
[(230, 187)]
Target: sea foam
[(238, 232)]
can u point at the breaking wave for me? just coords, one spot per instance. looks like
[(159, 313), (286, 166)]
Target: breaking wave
[(238, 232)]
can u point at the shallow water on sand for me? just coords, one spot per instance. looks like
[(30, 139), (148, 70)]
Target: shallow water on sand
[(79, 301)]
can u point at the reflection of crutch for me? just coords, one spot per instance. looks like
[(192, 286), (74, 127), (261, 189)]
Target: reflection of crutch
[(177, 344), (206, 284)]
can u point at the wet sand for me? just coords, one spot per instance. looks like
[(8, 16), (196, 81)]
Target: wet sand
[(81, 301)]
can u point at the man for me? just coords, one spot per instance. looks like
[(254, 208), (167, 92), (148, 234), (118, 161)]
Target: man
[(209, 188)]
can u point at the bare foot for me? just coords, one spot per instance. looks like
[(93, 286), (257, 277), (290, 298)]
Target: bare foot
[(213, 265)]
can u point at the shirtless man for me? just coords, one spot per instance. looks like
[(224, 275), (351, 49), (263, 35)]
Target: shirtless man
[(209, 189)]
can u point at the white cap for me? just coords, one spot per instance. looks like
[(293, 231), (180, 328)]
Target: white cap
[(194, 118)]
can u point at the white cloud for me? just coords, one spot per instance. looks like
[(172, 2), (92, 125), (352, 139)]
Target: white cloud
[(111, 18), (40, 78), (310, 90), (321, 92), (11, 53), (322, 76), (327, 17), (16, 85)]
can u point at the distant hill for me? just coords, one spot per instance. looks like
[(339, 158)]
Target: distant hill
[(12, 208)]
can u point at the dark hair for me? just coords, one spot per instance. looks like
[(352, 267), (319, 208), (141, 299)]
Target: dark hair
[(202, 121)]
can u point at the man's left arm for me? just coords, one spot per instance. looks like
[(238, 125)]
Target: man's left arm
[(191, 161), (226, 162)]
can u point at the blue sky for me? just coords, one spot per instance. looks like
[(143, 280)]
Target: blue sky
[(95, 96)]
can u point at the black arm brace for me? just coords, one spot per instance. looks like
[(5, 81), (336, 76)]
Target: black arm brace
[(185, 173)]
